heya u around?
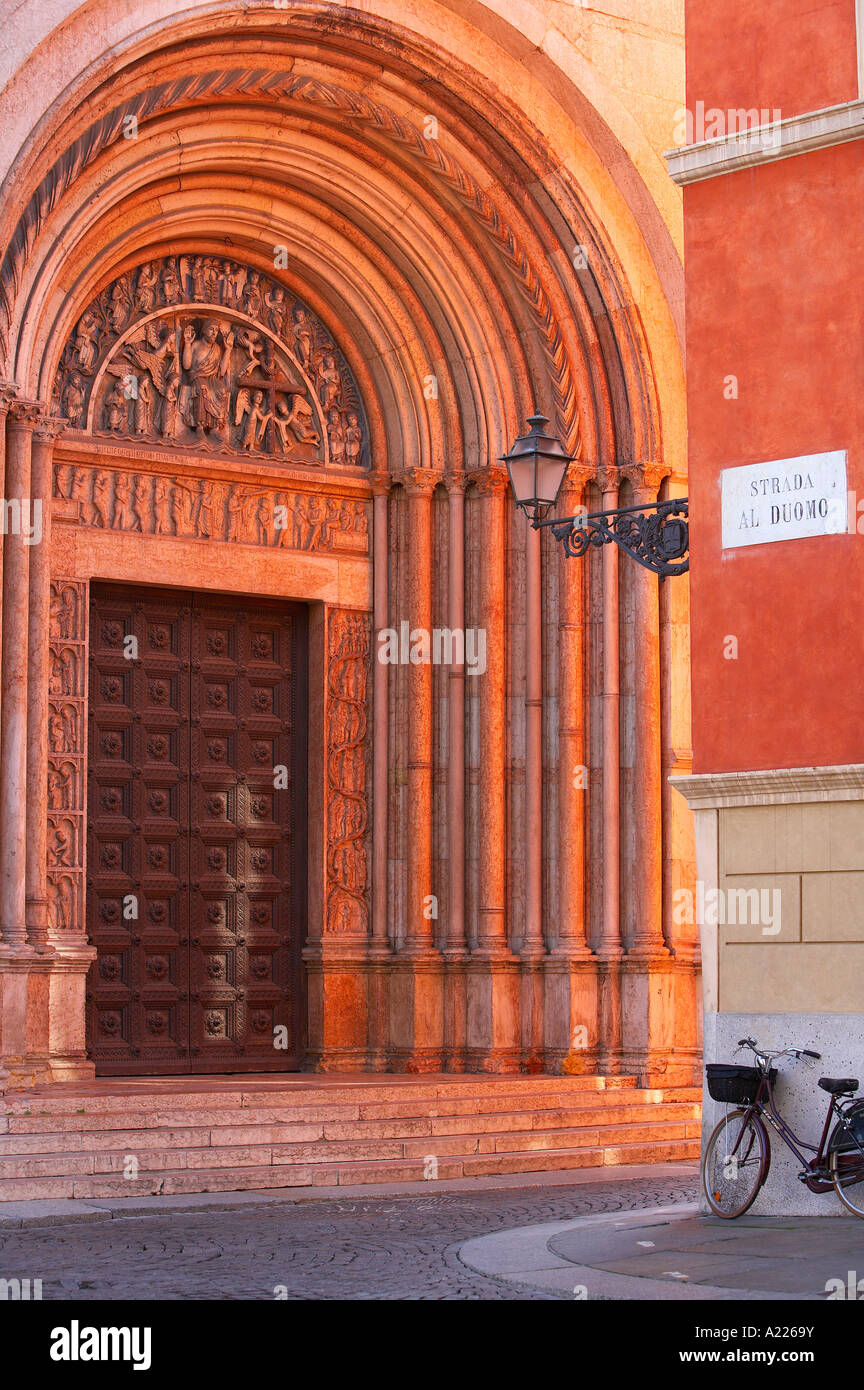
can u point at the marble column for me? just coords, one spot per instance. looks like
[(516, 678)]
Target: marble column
[(494, 1029), (572, 976), (380, 949), (610, 949), (416, 987), (454, 947), (46, 431), (13, 725), (647, 782)]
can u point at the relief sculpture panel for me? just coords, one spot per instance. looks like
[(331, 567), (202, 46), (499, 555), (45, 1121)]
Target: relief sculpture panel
[(203, 353), (349, 652), (66, 756), (205, 509)]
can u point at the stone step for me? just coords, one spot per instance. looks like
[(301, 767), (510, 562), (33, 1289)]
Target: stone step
[(138, 1112), (202, 1155), (131, 1137), (195, 1093), (362, 1172)]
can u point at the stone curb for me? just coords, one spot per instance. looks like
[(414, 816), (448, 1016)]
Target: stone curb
[(522, 1256), (53, 1212)]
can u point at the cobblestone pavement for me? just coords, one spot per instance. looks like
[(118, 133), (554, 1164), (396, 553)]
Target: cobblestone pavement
[(378, 1247)]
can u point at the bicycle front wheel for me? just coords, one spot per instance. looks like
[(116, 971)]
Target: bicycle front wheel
[(735, 1164)]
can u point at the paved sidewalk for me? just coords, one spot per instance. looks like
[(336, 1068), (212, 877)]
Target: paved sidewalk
[(675, 1253)]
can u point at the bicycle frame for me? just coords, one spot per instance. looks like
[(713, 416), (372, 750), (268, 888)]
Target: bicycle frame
[(815, 1173)]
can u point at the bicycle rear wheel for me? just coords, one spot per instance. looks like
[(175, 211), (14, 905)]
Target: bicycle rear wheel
[(735, 1164), (846, 1166)]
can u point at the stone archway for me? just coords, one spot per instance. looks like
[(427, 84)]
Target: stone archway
[(474, 908)]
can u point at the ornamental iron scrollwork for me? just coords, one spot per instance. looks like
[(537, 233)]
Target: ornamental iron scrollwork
[(656, 534)]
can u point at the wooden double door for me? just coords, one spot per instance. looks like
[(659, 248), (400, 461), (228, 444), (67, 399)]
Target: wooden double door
[(196, 832)]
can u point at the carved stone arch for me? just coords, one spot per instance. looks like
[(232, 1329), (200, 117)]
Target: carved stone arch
[(194, 351)]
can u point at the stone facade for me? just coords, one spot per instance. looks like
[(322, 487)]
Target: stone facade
[(277, 290)]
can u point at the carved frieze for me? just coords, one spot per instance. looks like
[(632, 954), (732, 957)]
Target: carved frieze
[(66, 755), (203, 353), (349, 650), (205, 509)]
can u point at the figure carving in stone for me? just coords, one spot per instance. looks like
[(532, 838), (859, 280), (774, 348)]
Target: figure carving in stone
[(249, 409), (123, 518), (62, 480), (353, 438), (198, 287), (145, 289), (235, 514), (251, 340), (171, 292), (141, 505), (162, 506), (207, 364), (183, 509), (60, 786), (68, 723), (329, 383), (143, 408), (277, 309), (207, 504), (80, 492), (87, 341), (60, 900), (63, 611), (303, 337), (116, 410), (252, 297), (171, 414), (60, 847), (336, 437), (121, 304), (102, 497), (298, 418), (234, 277), (73, 399)]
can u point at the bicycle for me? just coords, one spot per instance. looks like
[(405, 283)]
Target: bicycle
[(738, 1154)]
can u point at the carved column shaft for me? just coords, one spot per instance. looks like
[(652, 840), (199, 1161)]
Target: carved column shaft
[(610, 935), (456, 727), (647, 788), (418, 933), (532, 941), (38, 676), (380, 724), (492, 732), (13, 725), (572, 773)]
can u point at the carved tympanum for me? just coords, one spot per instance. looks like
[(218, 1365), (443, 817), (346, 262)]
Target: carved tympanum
[(200, 352)]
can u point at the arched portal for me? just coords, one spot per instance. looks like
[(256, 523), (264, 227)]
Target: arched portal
[(277, 292)]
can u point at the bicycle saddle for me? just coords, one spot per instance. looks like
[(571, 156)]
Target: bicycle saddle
[(838, 1085)]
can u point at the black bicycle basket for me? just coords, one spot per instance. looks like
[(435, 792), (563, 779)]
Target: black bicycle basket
[(733, 1084)]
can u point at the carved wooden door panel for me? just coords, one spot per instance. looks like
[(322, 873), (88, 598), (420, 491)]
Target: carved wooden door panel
[(196, 846)]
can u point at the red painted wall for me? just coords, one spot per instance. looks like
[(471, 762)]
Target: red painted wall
[(798, 55), (774, 260)]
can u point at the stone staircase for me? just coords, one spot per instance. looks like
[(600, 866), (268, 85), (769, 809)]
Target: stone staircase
[(127, 1137)]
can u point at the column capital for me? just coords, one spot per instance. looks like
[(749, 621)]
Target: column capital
[(646, 477), (455, 480), (609, 477), (8, 391), (23, 415), (578, 476), (491, 481), (419, 482), (380, 483), (49, 427)]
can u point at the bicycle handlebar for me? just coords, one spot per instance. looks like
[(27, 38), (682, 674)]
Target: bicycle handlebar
[(785, 1052)]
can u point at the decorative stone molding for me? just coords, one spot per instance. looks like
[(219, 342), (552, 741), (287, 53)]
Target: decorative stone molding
[(707, 791), (815, 130), (303, 91), (205, 353), (205, 509), (67, 791), (349, 649)]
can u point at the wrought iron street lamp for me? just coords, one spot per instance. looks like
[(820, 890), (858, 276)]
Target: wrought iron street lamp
[(655, 534)]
